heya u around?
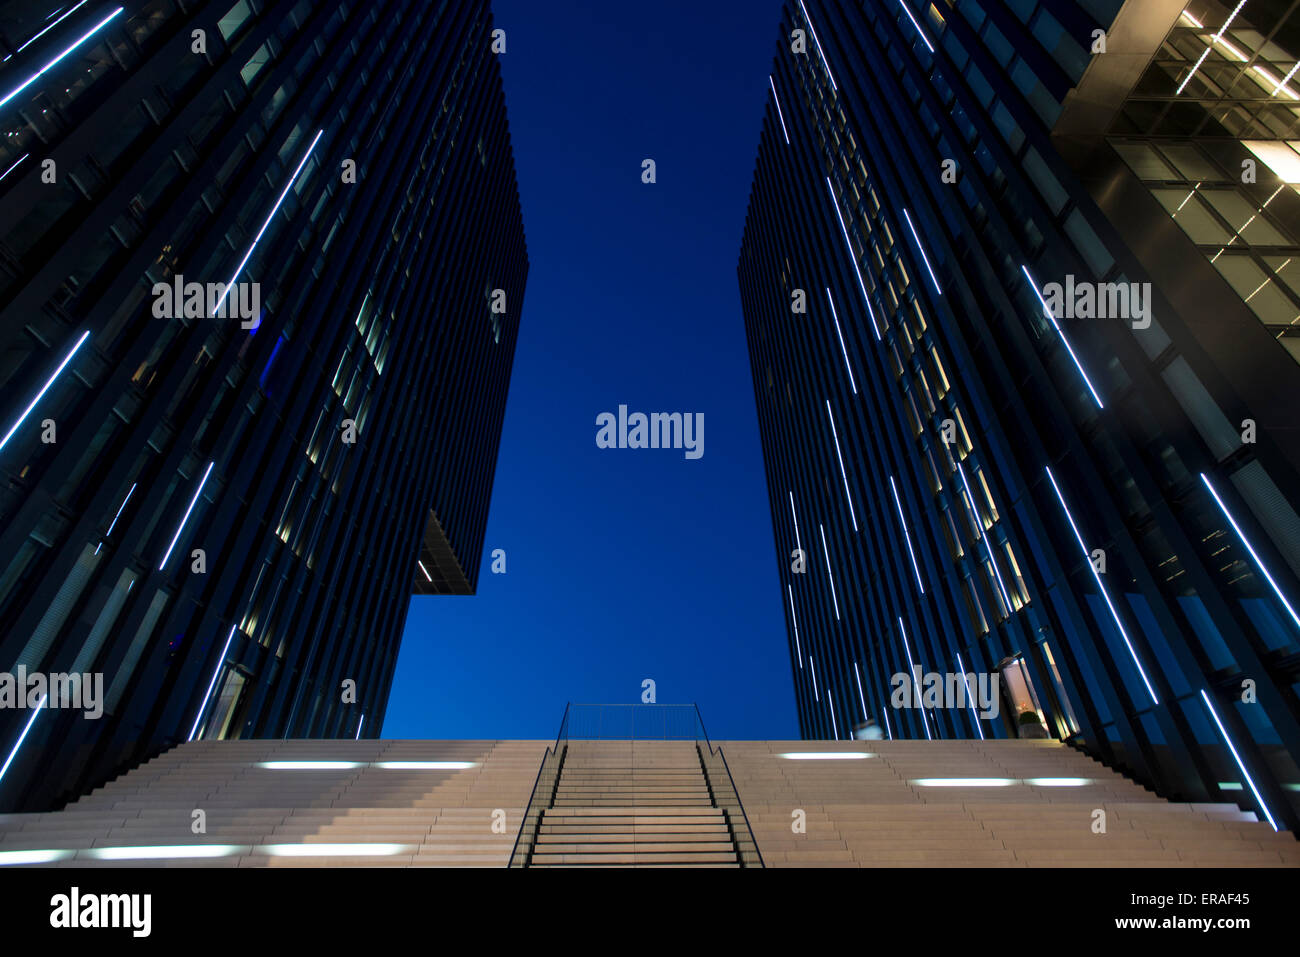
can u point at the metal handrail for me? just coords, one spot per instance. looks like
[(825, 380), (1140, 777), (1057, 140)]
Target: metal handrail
[(532, 795), (732, 781)]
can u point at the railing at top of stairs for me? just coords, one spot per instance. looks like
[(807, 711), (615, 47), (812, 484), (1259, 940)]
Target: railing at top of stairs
[(543, 793)]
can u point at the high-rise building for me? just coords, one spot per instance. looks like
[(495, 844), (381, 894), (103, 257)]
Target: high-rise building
[(1021, 290), (261, 271)]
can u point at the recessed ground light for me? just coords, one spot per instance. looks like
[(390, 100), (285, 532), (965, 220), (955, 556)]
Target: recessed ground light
[(963, 782), (825, 755), (427, 765), (167, 852), (309, 765), (334, 850), (1059, 782), (9, 858)]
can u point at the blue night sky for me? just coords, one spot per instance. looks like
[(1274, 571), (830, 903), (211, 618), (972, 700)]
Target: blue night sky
[(621, 564)]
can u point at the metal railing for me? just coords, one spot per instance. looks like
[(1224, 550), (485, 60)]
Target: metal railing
[(633, 722)]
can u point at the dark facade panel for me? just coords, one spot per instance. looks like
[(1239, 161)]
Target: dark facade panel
[(303, 448)]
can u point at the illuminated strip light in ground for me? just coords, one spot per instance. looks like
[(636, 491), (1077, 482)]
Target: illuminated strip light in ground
[(334, 850), (426, 765), (15, 166), (1078, 365), (309, 765), (970, 698), (49, 28), (45, 388), (836, 316), (1237, 757), (835, 434), (1213, 40), (423, 569), (211, 684), (819, 46), (78, 42), (924, 258), (167, 852), (181, 527), (899, 503), (117, 516), (835, 729), (825, 755), (1087, 559), (979, 527), (1250, 548), (911, 667), (964, 782), (798, 652), (11, 858), (781, 116), (22, 737), (853, 259), (924, 38), (813, 666), (827, 555), (798, 544), (288, 186)]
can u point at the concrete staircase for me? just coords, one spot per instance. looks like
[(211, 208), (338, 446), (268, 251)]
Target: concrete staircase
[(633, 804)]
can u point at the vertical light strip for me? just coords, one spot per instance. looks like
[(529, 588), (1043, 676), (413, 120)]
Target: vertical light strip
[(835, 728), (847, 495), (288, 186), (1087, 560), (813, 667), (50, 27), (924, 258), (853, 259), (820, 53), (970, 697), (845, 352), (76, 43), (1237, 757), (797, 544), (1051, 318), (360, 724), (798, 651), (181, 527), (425, 570), (911, 668), (1250, 548), (861, 697), (979, 527), (22, 737), (1213, 40), (777, 100), (117, 516), (924, 38), (212, 684), (44, 389), (827, 555), (906, 535)]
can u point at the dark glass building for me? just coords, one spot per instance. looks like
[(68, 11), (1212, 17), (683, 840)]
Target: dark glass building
[(1038, 417), (222, 502)]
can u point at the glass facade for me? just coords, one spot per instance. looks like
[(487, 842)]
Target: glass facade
[(226, 517), (1096, 503)]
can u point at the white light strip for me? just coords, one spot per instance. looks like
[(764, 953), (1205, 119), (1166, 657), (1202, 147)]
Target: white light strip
[(37, 75), (911, 668), (963, 782), (970, 698), (836, 316), (924, 38), (309, 765), (906, 535), (1087, 560), (334, 850), (45, 388), (30, 721), (798, 544), (288, 186), (1285, 80), (51, 26), (853, 259), (835, 728), (861, 697), (819, 45), (798, 652), (15, 166), (836, 435), (825, 755), (1237, 757), (10, 858), (167, 852), (179, 528), (1059, 332), (924, 257), (827, 555), (220, 664), (812, 665), (426, 765), (120, 507), (1213, 40), (1059, 782), (360, 724), (777, 100), (979, 527), (884, 710), (1250, 548), (423, 569)]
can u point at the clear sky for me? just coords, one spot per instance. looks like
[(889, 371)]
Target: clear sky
[(621, 564)]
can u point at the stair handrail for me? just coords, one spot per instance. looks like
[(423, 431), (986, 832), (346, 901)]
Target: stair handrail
[(532, 795), (730, 780)]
